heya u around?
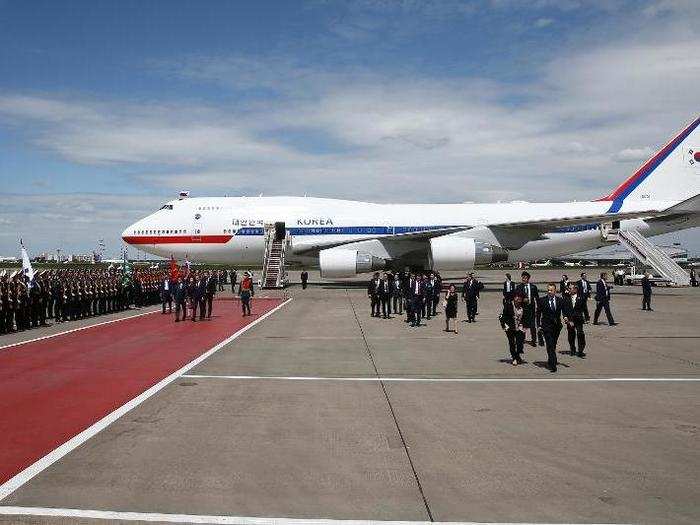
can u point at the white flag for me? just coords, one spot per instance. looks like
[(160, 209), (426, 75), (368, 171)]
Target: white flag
[(27, 269)]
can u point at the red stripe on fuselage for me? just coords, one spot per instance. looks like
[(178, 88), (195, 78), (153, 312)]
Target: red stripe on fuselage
[(177, 239)]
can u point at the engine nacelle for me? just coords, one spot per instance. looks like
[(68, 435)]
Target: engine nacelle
[(341, 262), (449, 253)]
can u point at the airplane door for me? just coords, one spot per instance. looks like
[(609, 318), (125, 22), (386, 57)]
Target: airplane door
[(197, 228)]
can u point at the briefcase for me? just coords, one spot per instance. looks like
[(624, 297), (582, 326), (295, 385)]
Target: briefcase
[(540, 337)]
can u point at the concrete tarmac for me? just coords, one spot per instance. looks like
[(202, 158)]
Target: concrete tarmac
[(321, 411)]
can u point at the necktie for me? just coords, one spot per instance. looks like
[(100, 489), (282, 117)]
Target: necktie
[(551, 304)]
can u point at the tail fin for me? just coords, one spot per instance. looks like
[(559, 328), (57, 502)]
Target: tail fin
[(672, 174)]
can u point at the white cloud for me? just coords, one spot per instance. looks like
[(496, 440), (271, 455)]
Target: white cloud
[(71, 220), (633, 154), (541, 23)]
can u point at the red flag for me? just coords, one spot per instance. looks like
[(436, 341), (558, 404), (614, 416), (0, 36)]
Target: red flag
[(174, 270)]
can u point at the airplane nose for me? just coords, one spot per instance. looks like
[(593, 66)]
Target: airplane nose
[(127, 234)]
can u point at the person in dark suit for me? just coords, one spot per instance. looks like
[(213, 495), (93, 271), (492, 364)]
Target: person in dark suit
[(646, 292), (693, 278), (511, 320), (304, 279), (416, 293), (408, 296), (166, 296), (564, 285), (234, 278), (211, 287), (193, 296), (202, 294), (549, 310), (530, 297), (574, 317), (470, 294), (508, 289), (397, 292), (384, 292), (584, 289), (427, 297), (437, 290), (180, 296), (373, 294), (602, 299)]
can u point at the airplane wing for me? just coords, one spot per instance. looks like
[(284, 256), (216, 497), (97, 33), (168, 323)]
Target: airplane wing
[(514, 233)]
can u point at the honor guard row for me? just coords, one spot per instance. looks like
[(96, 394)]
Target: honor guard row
[(70, 294)]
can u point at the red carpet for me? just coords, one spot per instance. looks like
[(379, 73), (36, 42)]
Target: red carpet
[(53, 389)]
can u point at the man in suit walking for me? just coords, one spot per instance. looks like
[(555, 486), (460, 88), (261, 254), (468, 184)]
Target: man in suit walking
[(384, 291), (549, 319), (304, 279), (397, 293), (202, 295), (602, 299), (211, 286), (573, 312), (180, 296), (416, 293), (193, 296), (166, 294), (373, 294), (530, 297), (470, 294), (584, 289), (646, 292), (234, 278), (508, 289)]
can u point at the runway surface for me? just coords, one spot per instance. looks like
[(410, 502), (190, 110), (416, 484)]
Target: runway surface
[(52, 389), (320, 412)]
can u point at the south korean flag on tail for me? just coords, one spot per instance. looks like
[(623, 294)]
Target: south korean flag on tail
[(27, 269), (691, 158)]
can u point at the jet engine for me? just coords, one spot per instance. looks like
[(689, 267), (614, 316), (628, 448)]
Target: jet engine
[(343, 262), (463, 253)]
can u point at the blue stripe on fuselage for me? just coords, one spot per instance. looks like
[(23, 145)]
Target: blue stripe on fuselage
[(347, 230)]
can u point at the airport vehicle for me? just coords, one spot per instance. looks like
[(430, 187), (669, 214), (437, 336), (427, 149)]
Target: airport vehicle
[(345, 238)]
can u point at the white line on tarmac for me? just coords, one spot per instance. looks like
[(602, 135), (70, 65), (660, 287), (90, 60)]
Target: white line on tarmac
[(49, 336), (213, 520), (49, 459), (457, 379)]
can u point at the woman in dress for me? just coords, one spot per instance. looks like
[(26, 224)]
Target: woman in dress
[(451, 298)]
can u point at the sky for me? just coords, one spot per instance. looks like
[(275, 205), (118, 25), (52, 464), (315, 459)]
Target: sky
[(108, 109)]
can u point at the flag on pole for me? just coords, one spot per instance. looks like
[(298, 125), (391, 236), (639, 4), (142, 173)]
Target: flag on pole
[(27, 269), (126, 270), (174, 270), (187, 268)]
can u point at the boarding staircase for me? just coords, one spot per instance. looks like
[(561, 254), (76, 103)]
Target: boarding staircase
[(274, 271), (649, 254)]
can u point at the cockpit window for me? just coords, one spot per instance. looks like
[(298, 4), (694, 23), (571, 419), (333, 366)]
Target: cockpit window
[(167, 207)]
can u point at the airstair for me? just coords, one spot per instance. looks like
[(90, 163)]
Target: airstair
[(276, 243), (649, 254)]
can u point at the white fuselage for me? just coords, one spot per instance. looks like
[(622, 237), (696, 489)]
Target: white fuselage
[(231, 229)]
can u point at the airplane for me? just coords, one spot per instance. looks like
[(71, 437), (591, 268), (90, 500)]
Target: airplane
[(346, 238)]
